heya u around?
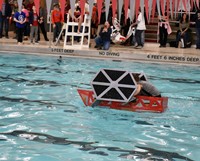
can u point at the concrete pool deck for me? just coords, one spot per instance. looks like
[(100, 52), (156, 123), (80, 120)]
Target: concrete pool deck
[(149, 53)]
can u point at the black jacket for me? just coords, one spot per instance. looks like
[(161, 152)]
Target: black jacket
[(105, 35), (8, 10), (31, 17)]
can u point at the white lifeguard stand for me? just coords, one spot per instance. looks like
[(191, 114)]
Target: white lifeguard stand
[(85, 32)]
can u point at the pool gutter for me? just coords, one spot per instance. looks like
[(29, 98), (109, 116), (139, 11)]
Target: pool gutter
[(150, 53)]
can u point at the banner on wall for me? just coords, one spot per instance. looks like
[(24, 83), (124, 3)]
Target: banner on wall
[(82, 6), (99, 6), (158, 8), (91, 2), (150, 9), (168, 8), (162, 6), (171, 9), (107, 4), (137, 6), (48, 3), (142, 6), (19, 5), (1, 2), (120, 4), (146, 3), (62, 7), (72, 4), (132, 9), (153, 8), (37, 5), (126, 5), (197, 2), (114, 8)]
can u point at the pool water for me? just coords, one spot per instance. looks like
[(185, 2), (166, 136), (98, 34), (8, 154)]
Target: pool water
[(42, 117)]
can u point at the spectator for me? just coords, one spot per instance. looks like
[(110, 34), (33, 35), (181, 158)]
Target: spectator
[(94, 22), (20, 19), (104, 37), (14, 6), (33, 19), (56, 21), (6, 14), (183, 34), (42, 14), (164, 30), (140, 23), (198, 28), (27, 24), (102, 18)]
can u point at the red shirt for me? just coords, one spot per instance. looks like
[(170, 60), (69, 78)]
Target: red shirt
[(56, 16), (35, 19)]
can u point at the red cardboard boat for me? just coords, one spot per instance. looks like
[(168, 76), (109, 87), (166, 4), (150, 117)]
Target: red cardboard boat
[(142, 103)]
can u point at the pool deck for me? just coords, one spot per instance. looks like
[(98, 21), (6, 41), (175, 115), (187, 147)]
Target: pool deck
[(149, 53)]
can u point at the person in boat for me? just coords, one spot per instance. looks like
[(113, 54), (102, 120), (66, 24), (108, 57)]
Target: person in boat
[(145, 88)]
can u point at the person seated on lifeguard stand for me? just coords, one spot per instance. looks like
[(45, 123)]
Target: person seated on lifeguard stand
[(145, 88), (77, 14)]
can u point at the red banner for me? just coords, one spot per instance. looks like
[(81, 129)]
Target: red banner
[(62, 7), (99, 5), (162, 6), (1, 2), (126, 4), (197, 1), (37, 5), (184, 5), (114, 7), (137, 6), (146, 2), (168, 8), (177, 9), (192, 4), (82, 6), (153, 8)]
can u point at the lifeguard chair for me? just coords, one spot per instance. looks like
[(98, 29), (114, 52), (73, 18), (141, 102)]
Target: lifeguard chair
[(85, 32)]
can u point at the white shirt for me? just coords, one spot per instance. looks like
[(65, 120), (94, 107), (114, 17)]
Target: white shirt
[(141, 22)]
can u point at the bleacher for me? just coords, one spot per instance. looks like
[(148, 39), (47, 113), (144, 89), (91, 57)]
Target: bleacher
[(152, 28)]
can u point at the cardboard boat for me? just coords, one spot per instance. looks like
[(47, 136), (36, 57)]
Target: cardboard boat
[(142, 103)]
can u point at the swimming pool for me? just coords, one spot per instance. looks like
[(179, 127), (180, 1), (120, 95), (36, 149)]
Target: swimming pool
[(42, 117)]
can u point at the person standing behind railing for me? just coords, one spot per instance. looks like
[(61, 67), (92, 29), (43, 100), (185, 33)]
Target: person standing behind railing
[(163, 30), (198, 28)]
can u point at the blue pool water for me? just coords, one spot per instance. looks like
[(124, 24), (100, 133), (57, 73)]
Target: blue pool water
[(42, 117)]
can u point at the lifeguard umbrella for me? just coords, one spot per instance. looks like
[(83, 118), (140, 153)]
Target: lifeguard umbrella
[(114, 85)]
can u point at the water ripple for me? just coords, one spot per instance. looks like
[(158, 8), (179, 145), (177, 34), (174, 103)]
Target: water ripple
[(144, 153)]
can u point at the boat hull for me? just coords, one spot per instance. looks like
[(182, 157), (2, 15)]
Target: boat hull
[(142, 103)]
